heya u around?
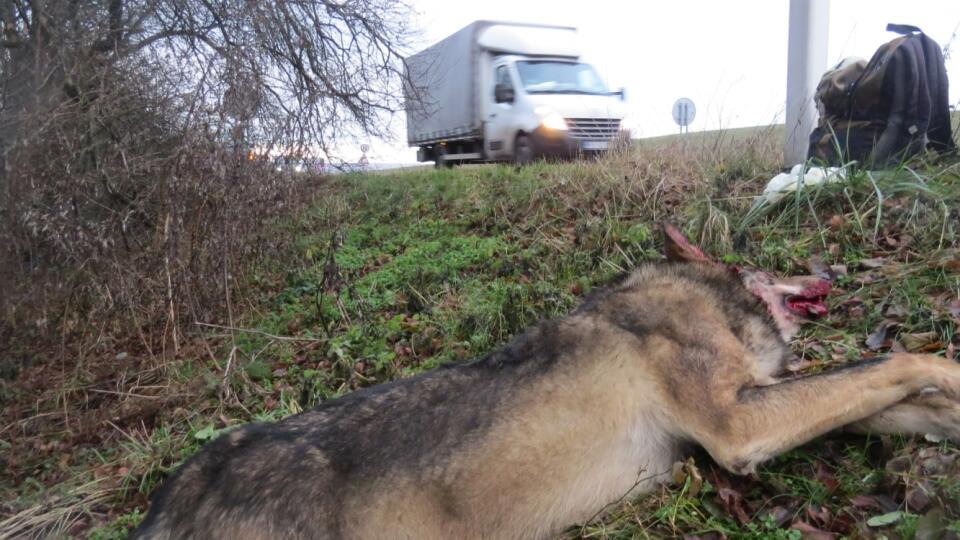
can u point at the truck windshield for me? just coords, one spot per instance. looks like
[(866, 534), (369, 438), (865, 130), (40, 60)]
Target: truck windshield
[(552, 77)]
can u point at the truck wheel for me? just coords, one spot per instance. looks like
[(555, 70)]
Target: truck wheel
[(523, 150), (440, 160)]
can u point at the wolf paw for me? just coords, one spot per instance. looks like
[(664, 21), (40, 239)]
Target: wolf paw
[(943, 414), (934, 371)]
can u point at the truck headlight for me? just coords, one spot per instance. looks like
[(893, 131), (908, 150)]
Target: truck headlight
[(554, 121)]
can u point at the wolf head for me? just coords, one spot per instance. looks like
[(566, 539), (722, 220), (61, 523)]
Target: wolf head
[(791, 301)]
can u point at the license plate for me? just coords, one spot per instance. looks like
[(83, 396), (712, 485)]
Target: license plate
[(595, 145)]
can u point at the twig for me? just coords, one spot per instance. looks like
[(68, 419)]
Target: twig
[(225, 383), (132, 395), (172, 312), (640, 479), (260, 332), (876, 188)]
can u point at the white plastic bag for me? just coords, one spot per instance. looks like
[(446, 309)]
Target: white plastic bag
[(783, 184)]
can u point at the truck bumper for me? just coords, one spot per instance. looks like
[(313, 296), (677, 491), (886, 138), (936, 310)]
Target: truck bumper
[(549, 143)]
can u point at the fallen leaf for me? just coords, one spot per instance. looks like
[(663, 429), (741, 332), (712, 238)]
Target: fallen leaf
[(954, 308), (685, 473), (733, 503), (836, 222), (78, 527), (269, 403), (885, 519), (948, 259), (679, 475), (875, 262), (819, 514), (887, 504), (877, 339), (914, 342), (918, 497), (899, 464), (896, 310), (812, 533), (825, 477), (778, 514), (819, 268), (844, 522), (864, 501), (936, 464), (696, 481)]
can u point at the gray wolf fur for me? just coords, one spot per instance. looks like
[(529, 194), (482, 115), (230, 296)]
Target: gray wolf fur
[(571, 416)]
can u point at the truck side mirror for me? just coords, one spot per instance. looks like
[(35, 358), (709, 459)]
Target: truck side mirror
[(622, 93), (503, 93)]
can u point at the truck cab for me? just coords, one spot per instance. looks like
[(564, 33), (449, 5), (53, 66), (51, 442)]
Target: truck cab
[(509, 92), (549, 107)]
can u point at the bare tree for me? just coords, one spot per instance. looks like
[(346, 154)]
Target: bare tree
[(124, 125), (309, 71)]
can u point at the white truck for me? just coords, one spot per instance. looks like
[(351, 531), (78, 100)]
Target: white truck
[(500, 91)]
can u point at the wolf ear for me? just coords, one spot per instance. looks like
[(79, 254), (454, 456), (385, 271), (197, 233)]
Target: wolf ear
[(677, 248)]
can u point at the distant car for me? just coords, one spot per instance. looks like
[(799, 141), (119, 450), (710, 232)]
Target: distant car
[(297, 166)]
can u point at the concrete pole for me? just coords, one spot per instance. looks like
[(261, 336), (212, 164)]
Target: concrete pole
[(806, 63)]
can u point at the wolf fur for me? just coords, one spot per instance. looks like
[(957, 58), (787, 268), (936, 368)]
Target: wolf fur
[(545, 432)]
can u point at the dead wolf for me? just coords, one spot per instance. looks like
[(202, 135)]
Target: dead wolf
[(572, 415)]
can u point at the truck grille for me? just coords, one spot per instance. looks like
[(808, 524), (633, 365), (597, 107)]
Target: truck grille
[(593, 129)]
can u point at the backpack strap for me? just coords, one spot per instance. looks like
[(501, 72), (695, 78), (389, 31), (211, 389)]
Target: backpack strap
[(903, 29)]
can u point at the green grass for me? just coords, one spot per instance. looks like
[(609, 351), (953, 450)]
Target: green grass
[(392, 274)]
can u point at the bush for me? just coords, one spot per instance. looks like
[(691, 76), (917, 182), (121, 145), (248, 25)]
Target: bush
[(123, 220)]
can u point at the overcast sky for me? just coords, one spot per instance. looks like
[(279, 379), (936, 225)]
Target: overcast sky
[(729, 57)]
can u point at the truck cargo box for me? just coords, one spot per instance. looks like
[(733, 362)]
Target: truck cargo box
[(444, 80)]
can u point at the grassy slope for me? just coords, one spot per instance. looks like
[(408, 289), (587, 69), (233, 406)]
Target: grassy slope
[(396, 273), (736, 136), (724, 137)]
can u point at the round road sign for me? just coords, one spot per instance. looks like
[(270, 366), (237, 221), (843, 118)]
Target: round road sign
[(684, 112)]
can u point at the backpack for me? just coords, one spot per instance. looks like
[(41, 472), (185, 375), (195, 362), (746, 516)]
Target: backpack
[(881, 112)]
